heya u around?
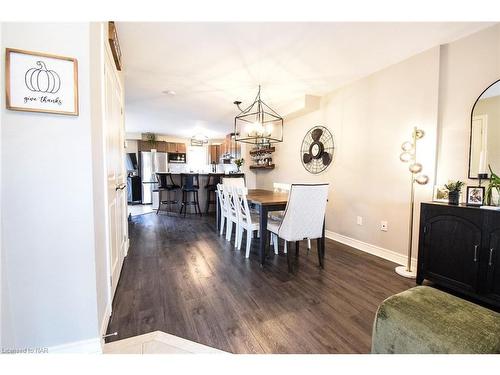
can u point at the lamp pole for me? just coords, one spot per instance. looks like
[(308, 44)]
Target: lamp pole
[(410, 154)]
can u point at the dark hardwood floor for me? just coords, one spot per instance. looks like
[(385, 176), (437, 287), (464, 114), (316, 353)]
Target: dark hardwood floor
[(180, 277)]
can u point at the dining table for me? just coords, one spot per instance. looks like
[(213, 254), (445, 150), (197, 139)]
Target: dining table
[(265, 201)]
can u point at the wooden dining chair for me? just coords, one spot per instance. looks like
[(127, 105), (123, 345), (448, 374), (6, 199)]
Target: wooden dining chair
[(247, 220), (223, 207), (303, 218), (231, 213)]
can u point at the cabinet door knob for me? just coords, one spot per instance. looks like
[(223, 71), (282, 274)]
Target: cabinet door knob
[(475, 252), (490, 262)]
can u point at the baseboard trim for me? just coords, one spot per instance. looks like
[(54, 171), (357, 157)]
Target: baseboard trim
[(370, 249), (90, 346)]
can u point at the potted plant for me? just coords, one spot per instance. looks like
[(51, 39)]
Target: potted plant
[(494, 184), (151, 138), (239, 163), (454, 188)]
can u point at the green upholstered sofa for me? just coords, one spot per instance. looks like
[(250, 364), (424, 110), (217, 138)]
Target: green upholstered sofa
[(427, 320)]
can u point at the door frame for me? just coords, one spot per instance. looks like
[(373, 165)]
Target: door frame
[(108, 65)]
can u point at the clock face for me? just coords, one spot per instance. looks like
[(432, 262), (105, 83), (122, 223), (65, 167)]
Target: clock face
[(317, 149)]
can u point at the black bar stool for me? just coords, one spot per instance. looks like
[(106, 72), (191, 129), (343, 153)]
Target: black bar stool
[(211, 187), (190, 184), (166, 183)]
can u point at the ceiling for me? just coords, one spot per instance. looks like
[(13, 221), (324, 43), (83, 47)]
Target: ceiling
[(210, 65)]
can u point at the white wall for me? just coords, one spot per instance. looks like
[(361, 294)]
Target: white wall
[(468, 66), (48, 237), (370, 119)]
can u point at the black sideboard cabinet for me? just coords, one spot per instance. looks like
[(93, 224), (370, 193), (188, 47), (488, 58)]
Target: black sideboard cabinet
[(459, 248)]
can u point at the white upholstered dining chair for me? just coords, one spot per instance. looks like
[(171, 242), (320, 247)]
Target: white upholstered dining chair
[(233, 181), (303, 217), (280, 187)]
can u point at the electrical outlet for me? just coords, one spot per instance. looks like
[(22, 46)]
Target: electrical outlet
[(384, 226), (359, 220)]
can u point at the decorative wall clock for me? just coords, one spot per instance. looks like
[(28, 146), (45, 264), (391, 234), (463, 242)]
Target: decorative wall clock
[(317, 150)]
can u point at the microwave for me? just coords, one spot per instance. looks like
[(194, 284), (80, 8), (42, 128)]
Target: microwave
[(176, 158)]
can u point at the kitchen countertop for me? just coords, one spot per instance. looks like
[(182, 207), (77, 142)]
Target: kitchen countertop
[(205, 174)]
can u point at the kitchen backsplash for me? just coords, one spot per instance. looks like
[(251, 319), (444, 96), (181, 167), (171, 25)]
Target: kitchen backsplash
[(185, 168)]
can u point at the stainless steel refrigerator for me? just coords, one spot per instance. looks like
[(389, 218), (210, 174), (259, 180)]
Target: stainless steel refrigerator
[(151, 163)]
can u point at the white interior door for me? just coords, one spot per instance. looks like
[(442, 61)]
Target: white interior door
[(115, 172)]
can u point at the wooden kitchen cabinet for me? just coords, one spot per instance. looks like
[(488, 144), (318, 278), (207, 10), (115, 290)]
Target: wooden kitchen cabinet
[(161, 146), (172, 147), (147, 146), (176, 148), (232, 147), (215, 154)]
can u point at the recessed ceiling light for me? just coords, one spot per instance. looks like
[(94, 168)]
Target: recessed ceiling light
[(169, 92)]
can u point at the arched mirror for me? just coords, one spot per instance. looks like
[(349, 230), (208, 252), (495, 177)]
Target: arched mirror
[(485, 133)]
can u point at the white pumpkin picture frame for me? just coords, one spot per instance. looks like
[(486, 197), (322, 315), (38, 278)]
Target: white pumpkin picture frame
[(41, 82)]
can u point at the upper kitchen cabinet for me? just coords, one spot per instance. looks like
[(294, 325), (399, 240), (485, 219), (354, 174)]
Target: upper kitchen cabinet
[(230, 149), (215, 153), (171, 147), (181, 148), (159, 146), (176, 148)]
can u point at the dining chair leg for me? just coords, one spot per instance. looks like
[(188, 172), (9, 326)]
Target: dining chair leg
[(236, 236), (240, 238), (320, 252), (285, 248), (249, 244), (229, 229), (222, 224), (289, 260), (275, 240)]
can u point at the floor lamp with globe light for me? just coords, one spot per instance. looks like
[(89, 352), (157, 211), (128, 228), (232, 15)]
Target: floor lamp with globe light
[(409, 155)]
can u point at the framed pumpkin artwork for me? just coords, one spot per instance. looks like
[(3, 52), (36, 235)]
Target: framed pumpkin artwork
[(40, 82)]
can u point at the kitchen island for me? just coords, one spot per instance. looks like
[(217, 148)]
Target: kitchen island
[(202, 192)]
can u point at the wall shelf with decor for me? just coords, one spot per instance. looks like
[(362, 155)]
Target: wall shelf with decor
[(259, 151), (271, 166), (262, 157)]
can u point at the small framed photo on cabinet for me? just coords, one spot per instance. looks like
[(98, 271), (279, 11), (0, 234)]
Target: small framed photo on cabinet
[(475, 195), (440, 194), (41, 82)]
